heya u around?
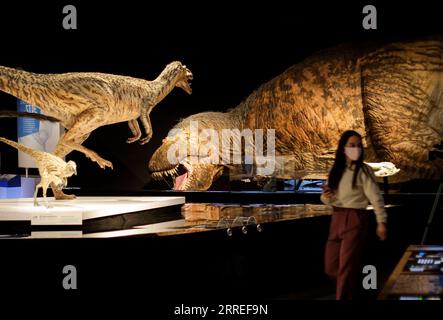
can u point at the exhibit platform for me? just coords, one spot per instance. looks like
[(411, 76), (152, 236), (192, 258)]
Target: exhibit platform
[(85, 214), (159, 250), (98, 217)]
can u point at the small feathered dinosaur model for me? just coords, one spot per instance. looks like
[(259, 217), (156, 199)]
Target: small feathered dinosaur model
[(52, 169)]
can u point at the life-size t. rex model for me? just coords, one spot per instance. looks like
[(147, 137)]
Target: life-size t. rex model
[(392, 94), (84, 102), (52, 169)]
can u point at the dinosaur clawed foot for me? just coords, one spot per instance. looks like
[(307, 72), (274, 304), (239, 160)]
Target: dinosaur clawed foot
[(133, 139), (60, 195), (100, 161), (104, 163), (63, 196), (47, 204), (145, 140)]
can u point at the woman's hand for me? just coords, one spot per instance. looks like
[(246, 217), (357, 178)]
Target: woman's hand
[(328, 192), (382, 231)]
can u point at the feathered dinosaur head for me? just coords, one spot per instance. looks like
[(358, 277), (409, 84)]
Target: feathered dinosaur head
[(71, 168), (183, 75)]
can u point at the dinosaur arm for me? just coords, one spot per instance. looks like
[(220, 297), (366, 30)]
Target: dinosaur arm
[(147, 125), (135, 129)]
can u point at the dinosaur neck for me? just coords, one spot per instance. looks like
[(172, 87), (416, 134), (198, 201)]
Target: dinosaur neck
[(165, 83)]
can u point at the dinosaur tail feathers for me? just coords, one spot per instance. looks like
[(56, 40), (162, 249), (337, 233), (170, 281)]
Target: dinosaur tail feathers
[(16, 145), (19, 83), (15, 114), (9, 76)]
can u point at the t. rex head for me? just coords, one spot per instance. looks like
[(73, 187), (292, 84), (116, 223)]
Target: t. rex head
[(184, 76), (180, 156)]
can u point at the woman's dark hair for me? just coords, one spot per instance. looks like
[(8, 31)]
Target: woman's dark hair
[(340, 161)]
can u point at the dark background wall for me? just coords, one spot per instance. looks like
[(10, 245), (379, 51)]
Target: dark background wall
[(230, 47)]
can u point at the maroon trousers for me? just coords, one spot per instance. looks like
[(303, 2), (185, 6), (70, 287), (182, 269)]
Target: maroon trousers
[(347, 235)]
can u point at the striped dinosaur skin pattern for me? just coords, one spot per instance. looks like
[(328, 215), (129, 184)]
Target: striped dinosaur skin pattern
[(84, 102), (52, 169), (391, 94)]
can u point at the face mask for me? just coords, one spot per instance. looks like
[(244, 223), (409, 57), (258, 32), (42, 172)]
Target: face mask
[(353, 153)]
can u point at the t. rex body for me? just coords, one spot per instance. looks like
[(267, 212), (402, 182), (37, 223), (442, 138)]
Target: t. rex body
[(84, 102), (52, 169), (392, 95)]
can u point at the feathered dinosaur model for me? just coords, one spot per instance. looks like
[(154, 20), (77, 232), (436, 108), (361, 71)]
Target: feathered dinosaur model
[(392, 94), (52, 169), (83, 102)]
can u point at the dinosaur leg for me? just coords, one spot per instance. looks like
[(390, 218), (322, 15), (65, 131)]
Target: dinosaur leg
[(45, 185), (402, 152), (61, 151), (135, 129), (35, 194), (86, 122), (407, 146), (59, 194), (147, 125), (401, 95)]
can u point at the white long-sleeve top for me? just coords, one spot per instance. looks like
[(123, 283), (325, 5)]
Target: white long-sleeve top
[(366, 190)]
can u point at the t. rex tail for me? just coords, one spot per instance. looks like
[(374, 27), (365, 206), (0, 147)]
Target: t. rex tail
[(15, 114), (18, 146)]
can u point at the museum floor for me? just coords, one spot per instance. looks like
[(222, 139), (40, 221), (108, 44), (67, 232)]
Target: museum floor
[(155, 250)]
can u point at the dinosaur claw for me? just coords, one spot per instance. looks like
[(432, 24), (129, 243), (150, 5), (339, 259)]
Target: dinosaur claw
[(144, 140), (103, 163), (109, 164), (133, 139)]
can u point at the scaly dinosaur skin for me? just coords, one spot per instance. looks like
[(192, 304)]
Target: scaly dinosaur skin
[(84, 102), (392, 95), (52, 169)]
